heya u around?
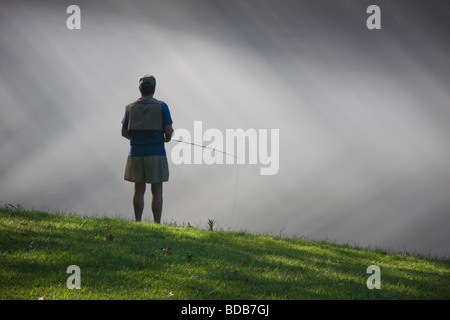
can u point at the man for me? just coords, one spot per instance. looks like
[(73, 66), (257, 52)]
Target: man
[(147, 124)]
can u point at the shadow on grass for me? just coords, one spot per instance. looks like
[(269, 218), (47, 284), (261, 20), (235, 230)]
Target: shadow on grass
[(125, 260)]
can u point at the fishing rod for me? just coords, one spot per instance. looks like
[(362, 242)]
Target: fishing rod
[(206, 147), (221, 151)]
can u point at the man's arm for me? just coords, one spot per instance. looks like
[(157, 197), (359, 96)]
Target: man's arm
[(125, 133), (168, 132)]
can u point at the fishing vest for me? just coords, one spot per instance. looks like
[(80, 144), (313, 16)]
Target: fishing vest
[(145, 114)]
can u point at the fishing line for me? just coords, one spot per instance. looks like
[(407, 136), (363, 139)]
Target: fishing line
[(179, 172), (235, 195), (221, 151)]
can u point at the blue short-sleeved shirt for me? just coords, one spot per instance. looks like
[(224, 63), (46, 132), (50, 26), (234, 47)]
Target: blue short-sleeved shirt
[(148, 142)]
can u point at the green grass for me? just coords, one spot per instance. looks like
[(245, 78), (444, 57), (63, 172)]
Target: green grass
[(150, 261)]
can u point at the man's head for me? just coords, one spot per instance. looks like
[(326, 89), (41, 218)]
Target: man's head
[(147, 84)]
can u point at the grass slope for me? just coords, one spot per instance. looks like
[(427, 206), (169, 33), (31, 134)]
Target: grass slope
[(121, 259)]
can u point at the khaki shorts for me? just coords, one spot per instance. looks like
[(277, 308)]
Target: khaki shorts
[(148, 169)]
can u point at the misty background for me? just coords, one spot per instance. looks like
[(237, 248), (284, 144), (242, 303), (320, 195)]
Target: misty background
[(363, 114)]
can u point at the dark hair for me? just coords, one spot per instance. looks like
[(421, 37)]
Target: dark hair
[(146, 89)]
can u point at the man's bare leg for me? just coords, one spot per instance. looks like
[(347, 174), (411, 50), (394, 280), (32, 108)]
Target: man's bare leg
[(138, 200), (157, 201)]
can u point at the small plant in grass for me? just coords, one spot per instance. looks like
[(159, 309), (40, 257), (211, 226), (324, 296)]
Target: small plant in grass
[(211, 224)]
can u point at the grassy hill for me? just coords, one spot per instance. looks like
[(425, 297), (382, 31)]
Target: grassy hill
[(121, 259)]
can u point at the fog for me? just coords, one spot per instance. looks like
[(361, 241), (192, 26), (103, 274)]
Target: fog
[(363, 115)]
